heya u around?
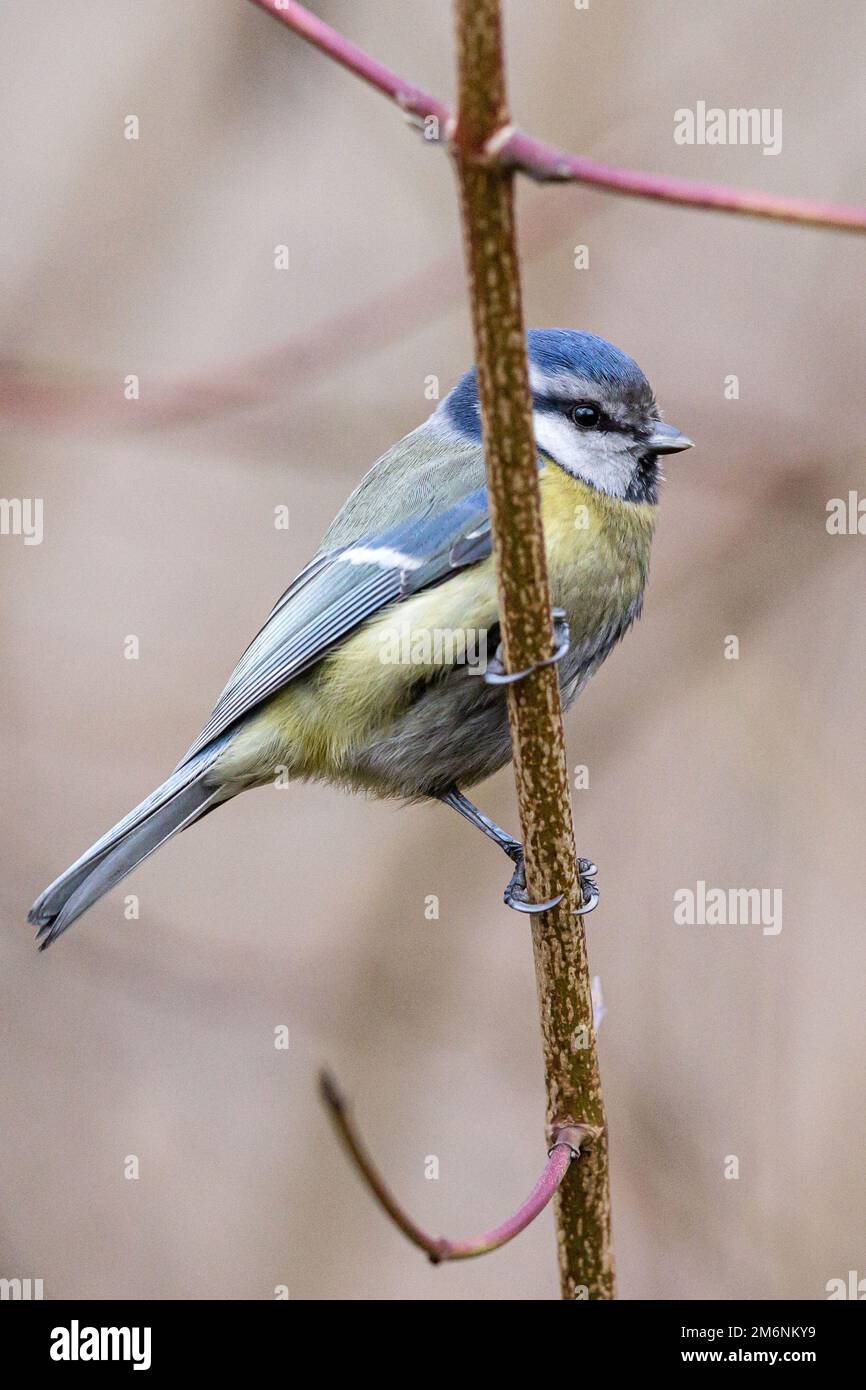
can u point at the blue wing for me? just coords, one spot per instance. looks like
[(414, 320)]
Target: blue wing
[(338, 591)]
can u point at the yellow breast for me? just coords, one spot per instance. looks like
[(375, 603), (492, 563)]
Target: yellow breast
[(597, 549)]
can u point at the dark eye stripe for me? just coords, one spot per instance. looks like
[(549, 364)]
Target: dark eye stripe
[(555, 405)]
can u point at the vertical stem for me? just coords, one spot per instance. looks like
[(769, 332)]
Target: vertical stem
[(571, 1061)]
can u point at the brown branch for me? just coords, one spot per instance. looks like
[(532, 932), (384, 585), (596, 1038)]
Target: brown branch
[(562, 973), (507, 146), (567, 1140)]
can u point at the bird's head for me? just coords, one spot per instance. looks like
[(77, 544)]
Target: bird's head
[(593, 409)]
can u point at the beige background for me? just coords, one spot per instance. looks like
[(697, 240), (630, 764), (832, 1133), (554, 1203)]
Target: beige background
[(305, 907)]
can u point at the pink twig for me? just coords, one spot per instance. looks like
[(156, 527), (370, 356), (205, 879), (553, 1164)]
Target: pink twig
[(567, 1140), (410, 99), (546, 163)]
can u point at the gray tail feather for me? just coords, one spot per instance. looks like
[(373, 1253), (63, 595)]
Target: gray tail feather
[(184, 798)]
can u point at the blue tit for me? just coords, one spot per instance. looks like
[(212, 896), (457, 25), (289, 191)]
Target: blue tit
[(350, 679)]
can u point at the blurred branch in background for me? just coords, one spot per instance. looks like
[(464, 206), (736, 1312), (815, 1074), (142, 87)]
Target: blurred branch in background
[(55, 397)]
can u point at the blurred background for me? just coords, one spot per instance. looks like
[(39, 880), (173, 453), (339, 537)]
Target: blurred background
[(261, 388)]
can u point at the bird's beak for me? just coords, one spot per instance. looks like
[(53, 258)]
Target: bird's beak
[(667, 439)]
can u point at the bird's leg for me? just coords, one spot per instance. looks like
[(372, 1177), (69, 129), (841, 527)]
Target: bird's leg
[(515, 893), (496, 673)]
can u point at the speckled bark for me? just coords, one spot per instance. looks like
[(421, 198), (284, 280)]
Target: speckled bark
[(571, 1061)]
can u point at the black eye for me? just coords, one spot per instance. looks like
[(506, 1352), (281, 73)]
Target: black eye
[(586, 415)]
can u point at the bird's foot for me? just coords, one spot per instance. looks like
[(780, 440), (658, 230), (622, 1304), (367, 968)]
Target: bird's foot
[(515, 895), (496, 673), (589, 894)]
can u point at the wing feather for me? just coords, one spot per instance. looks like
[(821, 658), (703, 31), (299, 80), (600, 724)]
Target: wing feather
[(341, 589)]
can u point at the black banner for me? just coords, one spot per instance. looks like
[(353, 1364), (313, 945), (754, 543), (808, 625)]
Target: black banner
[(66, 1338)]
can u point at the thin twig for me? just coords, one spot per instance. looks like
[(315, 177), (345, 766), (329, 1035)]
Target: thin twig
[(567, 1140), (511, 147), (413, 100)]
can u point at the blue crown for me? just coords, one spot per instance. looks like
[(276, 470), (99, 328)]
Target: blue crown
[(555, 352)]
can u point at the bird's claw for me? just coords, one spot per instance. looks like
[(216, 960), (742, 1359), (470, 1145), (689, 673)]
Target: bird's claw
[(515, 893), (589, 893), (496, 673), (591, 902)]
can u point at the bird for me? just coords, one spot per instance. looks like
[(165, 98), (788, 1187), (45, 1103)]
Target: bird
[(349, 679)]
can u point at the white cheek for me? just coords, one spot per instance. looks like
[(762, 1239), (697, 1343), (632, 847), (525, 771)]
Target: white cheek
[(605, 465), (557, 437)]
